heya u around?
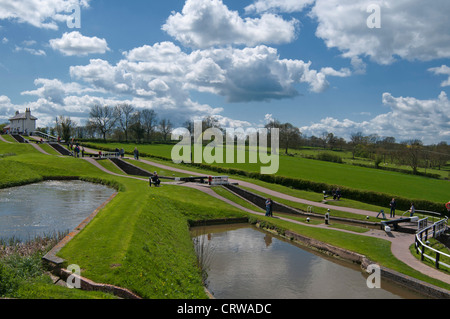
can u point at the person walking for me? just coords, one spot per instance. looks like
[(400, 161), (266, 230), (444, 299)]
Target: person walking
[(412, 210), (393, 205), (269, 205), (136, 154)]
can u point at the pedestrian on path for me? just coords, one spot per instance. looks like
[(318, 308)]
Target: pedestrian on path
[(382, 213), (412, 210), (136, 154), (393, 205), (269, 207)]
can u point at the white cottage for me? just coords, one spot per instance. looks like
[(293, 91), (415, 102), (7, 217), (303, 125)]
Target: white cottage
[(22, 123)]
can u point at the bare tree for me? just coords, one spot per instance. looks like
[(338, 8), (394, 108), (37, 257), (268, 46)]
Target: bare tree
[(165, 126), (136, 126), (103, 119), (149, 121), (124, 113)]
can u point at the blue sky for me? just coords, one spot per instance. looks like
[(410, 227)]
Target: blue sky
[(313, 63)]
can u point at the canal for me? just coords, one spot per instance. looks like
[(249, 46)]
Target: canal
[(244, 262)]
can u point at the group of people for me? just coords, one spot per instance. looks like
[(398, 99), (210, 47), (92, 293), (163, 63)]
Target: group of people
[(77, 150), (336, 193), (393, 206), (120, 152)]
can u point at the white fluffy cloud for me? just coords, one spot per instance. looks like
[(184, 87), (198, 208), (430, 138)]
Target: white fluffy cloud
[(206, 23), (6, 108), (240, 75), (409, 118), (45, 14), (410, 29), (74, 43), (442, 70)]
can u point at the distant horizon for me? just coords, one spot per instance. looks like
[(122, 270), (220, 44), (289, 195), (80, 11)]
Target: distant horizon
[(336, 66), (347, 140)]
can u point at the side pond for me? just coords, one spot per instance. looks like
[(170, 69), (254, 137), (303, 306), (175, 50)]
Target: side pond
[(48, 208)]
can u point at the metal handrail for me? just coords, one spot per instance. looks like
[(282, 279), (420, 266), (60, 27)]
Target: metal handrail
[(44, 135), (109, 155), (437, 229)]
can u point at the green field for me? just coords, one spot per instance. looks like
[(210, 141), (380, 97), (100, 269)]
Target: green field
[(362, 178)]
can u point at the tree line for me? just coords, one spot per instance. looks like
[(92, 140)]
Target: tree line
[(410, 152), (122, 122), (125, 123)]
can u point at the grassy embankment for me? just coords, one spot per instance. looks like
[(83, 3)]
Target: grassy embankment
[(141, 239)]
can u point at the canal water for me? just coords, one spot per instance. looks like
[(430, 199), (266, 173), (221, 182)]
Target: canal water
[(244, 262), (48, 208)]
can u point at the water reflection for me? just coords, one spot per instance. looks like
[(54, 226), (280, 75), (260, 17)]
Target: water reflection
[(247, 263), (48, 207)]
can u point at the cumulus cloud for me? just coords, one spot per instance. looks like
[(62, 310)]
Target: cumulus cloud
[(206, 23), (55, 90), (6, 108), (410, 29), (442, 70), (240, 75), (44, 14), (427, 120), (74, 43)]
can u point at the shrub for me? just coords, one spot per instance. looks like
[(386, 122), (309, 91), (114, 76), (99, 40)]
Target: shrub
[(329, 157), (8, 281)]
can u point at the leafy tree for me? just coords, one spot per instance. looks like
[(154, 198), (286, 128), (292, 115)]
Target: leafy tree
[(65, 128)]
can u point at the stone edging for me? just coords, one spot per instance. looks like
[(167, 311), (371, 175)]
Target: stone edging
[(56, 264)]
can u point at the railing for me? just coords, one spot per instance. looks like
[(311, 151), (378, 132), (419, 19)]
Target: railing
[(109, 155), (423, 223), (436, 229), (46, 136)]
